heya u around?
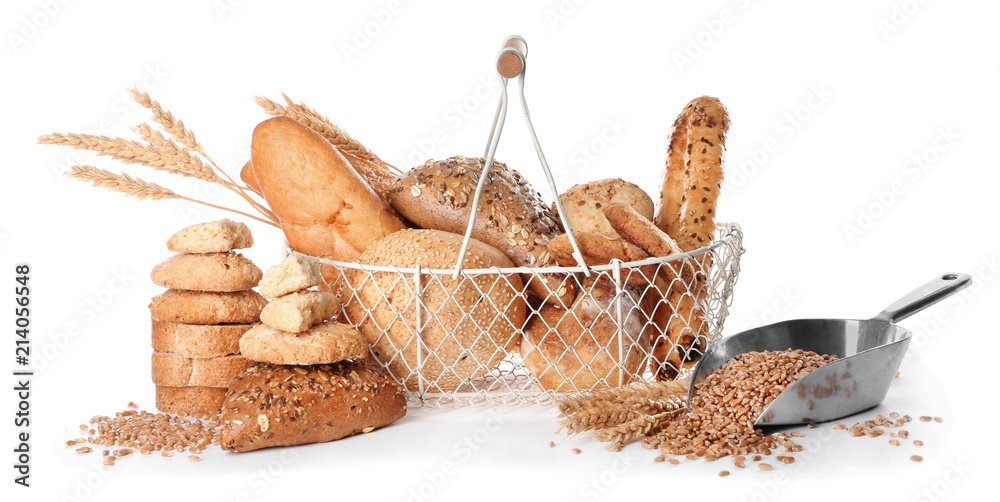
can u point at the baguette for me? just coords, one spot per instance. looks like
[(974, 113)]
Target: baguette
[(325, 208)]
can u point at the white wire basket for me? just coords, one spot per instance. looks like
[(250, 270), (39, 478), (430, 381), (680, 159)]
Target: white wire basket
[(446, 355), (501, 345)]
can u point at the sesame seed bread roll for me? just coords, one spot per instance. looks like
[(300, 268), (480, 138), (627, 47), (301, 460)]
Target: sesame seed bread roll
[(511, 215), (324, 206), (468, 323)]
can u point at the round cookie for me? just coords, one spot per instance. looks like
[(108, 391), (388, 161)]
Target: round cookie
[(199, 307), (324, 343), (217, 272), (211, 237)]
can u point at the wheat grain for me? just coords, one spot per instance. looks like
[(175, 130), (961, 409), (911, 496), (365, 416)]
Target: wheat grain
[(133, 152), (643, 425)]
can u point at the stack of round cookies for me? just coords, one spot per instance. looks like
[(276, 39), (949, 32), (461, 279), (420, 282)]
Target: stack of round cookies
[(296, 326), (198, 321)]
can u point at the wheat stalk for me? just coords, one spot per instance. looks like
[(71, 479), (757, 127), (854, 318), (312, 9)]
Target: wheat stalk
[(121, 183), (167, 121), (140, 189), (648, 390), (643, 425), (134, 152)]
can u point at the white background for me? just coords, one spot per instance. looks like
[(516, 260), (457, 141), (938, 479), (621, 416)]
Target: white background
[(831, 104)]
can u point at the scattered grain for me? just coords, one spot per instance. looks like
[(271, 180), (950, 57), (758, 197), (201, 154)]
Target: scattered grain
[(576, 451), (84, 449), (723, 474), (194, 458), (765, 467), (916, 458), (918, 442)]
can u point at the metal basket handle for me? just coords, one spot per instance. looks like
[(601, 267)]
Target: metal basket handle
[(510, 62)]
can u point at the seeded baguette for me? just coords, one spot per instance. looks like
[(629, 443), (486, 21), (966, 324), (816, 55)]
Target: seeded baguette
[(511, 215), (273, 405)]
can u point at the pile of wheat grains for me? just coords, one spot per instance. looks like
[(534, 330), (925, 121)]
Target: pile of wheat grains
[(726, 404), (144, 432)]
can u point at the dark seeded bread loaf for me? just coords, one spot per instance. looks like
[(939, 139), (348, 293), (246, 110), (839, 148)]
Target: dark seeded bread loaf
[(272, 405)]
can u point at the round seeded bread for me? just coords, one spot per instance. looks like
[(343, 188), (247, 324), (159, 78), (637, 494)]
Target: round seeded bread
[(469, 323)]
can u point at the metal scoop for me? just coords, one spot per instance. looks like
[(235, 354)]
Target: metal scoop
[(869, 353)]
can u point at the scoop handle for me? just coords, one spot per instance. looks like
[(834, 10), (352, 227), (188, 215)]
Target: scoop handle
[(934, 291)]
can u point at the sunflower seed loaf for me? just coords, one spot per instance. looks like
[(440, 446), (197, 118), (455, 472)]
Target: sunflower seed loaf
[(511, 216), (276, 405)]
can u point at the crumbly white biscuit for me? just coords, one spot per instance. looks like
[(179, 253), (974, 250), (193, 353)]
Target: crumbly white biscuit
[(211, 237), (296, 312), (296, 272)]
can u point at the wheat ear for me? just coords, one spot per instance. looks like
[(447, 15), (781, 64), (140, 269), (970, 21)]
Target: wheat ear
[(134, 187), (642, 425)]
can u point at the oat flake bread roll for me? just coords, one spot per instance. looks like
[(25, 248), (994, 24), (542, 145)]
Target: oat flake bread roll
[(511, 216), (469, 323), (324, 206)]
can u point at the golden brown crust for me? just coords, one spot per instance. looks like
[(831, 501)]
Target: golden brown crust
[(211, 237), (174, 370), (191, 400), (693, 175), (249, 178), (325, 207), (197, 340), (219, 272), (462, 347), (198, 307), (273, 405), (324, 343), (296, 312), (584, 203), (576, 349), (601, 249), (511, 215)]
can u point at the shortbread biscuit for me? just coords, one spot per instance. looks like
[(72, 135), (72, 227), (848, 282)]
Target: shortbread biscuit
[(324, 343), (296, 312), (211, 237), (198, 307), (174, 370), (198, 340), (295, 273), (190, 399), (219, 272)]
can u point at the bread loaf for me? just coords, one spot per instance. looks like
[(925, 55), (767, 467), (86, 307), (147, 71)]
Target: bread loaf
[(325, 208), (476, 318), (199, 307), (271, 405), (578, 349), (190, 400), (584, 203), (511, 215), (197, 340), (174, 370)]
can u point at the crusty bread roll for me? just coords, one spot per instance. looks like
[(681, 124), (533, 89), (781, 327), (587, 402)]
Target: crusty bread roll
[(600, 249), (584, 203), (325, 208), (577, 349), (273, 405), (511, 215), (249, 178), (475, 318)]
